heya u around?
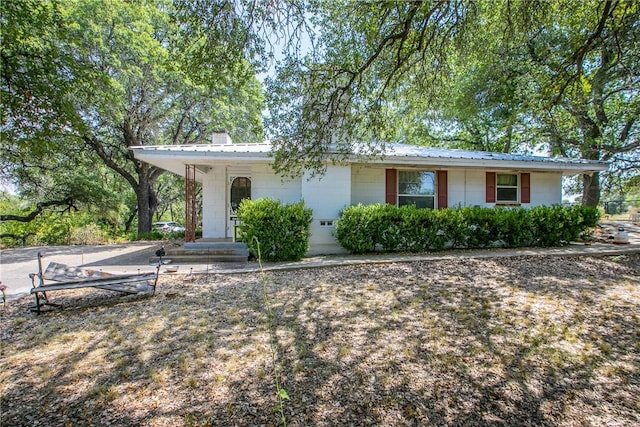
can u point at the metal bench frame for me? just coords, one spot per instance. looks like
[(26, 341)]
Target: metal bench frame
[(123, 283)]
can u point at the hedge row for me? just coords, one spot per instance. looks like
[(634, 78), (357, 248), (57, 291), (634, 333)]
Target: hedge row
[(362, 229), (274, 231)]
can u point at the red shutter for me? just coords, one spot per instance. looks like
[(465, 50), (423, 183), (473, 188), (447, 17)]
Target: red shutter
[(442, 190), (525, 188), (491, 187), (391, 187)]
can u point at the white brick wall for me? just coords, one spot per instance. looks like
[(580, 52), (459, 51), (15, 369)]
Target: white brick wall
[(265, 183), (343, 186), (367, 185), (326, 196), (546, 189)]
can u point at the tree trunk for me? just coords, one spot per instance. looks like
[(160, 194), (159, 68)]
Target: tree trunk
[(591, 189), (129, 221), (147, 200)]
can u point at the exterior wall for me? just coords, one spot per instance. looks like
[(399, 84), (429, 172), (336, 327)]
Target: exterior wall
[(214, 215), (265, 183), (466, 187), (367, 185), (343, 186), (456, 180), (215, 189), (546, 189), (474, 188), (326, 196)]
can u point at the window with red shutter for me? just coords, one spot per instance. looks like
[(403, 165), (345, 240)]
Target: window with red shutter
[(391, 187), (442, 189), (490, 187)]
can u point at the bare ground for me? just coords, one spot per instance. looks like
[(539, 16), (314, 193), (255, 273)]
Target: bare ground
[(511, 341)]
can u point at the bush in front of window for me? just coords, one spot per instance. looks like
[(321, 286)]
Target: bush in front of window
[(281, 231), (362, 229)]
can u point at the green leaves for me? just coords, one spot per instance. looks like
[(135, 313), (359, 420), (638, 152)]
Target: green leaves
[(86, 79), (281, 231), (362, 229), (369, 60), (283, 395), (554, 76)]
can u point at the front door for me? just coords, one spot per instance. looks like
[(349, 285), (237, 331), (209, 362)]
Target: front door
[(239, 189)]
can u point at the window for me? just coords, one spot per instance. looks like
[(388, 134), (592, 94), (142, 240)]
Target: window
[(240, 190), (416, 188), (507, 188)]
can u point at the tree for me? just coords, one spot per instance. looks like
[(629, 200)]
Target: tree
[(588, 61), (369, 56), (129, 80), (493, 75)]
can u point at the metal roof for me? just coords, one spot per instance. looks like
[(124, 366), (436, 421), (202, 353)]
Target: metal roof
[(395, 154), (405, 150), (206, 148)]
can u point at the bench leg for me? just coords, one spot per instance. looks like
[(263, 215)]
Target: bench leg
[(45, 301)]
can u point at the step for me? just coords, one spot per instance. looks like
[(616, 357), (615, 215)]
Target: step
[(203, 244), (201, 259), (207, 252)]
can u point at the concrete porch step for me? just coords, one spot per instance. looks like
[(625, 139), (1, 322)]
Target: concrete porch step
[(203, 244), (201, 259), (207, 252)]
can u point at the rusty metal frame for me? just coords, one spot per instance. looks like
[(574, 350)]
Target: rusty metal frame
[(190, 212)]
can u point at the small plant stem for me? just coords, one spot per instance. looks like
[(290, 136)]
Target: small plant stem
[(281, 393)]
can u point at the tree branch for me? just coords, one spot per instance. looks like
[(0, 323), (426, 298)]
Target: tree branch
[(68, 202), (98, 147)]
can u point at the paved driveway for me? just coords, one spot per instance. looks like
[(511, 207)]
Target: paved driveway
[(17, 264)]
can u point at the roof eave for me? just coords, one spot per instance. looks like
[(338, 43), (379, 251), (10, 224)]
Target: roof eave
[(567, 168)]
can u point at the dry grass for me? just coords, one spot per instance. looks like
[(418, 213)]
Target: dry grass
[(515, 341)]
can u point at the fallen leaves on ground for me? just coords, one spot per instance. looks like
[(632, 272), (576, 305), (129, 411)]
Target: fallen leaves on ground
[(512, 341)]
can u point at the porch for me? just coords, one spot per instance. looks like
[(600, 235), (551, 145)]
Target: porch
[(207, 250)]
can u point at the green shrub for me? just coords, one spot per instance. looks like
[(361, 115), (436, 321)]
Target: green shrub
[(355, 229), (480, 227), (90, 234), (363, 229), (514, 227), (281, 231)]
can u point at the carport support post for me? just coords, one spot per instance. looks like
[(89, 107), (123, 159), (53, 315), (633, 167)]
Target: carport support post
[(190, 203)]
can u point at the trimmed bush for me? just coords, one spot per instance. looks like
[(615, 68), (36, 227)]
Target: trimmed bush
[(281, 231), (363, 229)]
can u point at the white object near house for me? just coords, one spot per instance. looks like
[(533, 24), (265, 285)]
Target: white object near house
[(621, 237), (428, 177)]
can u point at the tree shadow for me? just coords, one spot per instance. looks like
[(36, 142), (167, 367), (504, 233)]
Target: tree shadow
[(442, 343)]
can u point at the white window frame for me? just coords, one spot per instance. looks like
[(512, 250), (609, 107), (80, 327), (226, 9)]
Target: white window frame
[(433, 196), (517, 188)]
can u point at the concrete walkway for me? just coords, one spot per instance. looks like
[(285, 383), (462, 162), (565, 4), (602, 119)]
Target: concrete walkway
[(16, 264)]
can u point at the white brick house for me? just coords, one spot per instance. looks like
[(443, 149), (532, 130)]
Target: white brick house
[(430, 178)]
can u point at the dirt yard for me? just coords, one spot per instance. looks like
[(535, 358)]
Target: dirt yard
[(510, 341)]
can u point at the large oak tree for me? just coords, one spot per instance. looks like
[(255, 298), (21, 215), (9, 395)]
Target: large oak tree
[(495, 75), (84, 80)]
